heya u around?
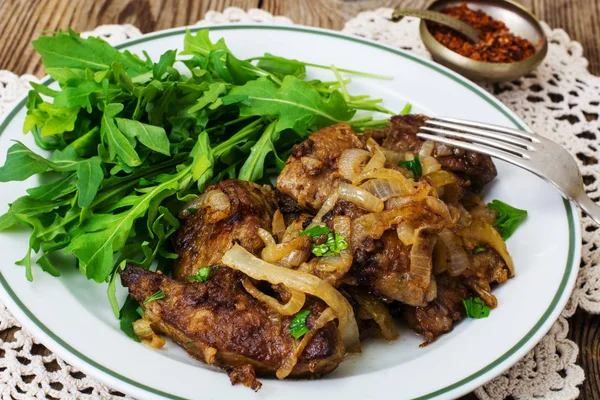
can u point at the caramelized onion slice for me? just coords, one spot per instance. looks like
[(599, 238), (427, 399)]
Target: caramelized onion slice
[(360, 197), (481, 233), (240, 259), (371, 308), (277, 252), (407, 185), (266, 237), (384, 188), (217, 202), (440, 178), (393, 157), (421, 255), (294, 304), (429, 165), (143, 329), (426, 148), (351, 162), (458, 260), (420, 194), (325, 208), (290, 361), (406, 233), (439, 207), (378, 158), (278, 225)]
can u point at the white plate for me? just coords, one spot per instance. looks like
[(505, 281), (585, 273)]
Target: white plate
[(72, 316)]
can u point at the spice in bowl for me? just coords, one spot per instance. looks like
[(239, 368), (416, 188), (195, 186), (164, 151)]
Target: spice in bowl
[(496, 44)]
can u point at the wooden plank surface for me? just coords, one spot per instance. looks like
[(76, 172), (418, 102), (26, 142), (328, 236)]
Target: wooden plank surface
[(23, 20)]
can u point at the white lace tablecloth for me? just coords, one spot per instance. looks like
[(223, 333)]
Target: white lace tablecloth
[(560, 100)]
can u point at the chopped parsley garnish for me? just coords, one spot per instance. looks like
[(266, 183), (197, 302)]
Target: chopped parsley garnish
[(192, 210), (413, 165), (316, 231), (298, 326), (140, 311), (202, 275), (332, 246), (156, 296), (479, 249), (476, 308), (509, 218)]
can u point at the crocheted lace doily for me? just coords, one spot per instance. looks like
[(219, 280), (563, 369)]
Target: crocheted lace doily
[(560, 100)]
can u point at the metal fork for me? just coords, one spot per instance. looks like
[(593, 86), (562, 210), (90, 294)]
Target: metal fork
[(536, 154)]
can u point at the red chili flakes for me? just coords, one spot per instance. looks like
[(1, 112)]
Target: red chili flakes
[(496, 45)]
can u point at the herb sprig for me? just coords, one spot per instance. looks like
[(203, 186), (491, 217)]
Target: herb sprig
[(476, 308), (333, 244), (413, 165), (508, 219), (298, 326)]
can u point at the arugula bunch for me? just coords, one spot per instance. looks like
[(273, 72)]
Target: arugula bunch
[(132, 140)]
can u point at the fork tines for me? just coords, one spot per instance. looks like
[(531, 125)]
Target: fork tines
[(497, 141)]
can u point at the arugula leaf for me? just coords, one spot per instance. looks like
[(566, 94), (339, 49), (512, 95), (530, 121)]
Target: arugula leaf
[(476, 308), (153, 137), (166, 60), (7, 220), (209, 97), (203, 156), (77, 94), (202, 275), (508, 219), (69, 50), (118, 144), (407, 109), (296, 104), (298, 326), (281, 69), (253, 168), (413, 165), (127, 316), (50, 120), (155, 296), (53, 190), (21, 163)]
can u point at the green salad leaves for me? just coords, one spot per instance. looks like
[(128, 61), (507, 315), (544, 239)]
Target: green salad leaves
[(131, 140)]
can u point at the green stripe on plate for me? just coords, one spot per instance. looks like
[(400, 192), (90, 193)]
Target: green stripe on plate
[(428, 64)]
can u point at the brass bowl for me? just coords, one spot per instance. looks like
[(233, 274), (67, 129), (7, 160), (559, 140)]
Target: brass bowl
[(518, 20)]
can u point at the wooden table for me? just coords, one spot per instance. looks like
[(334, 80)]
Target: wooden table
[(23, 20)]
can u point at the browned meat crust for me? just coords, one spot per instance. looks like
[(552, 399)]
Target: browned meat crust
[(401, 135), (201, 243), (218, 322), (310, 174), (439, 316), (246, 376)]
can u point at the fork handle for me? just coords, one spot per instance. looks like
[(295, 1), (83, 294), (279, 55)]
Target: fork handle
[(588, 206)]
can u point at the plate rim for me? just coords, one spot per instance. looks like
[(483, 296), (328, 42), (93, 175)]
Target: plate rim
[(465, 385)]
